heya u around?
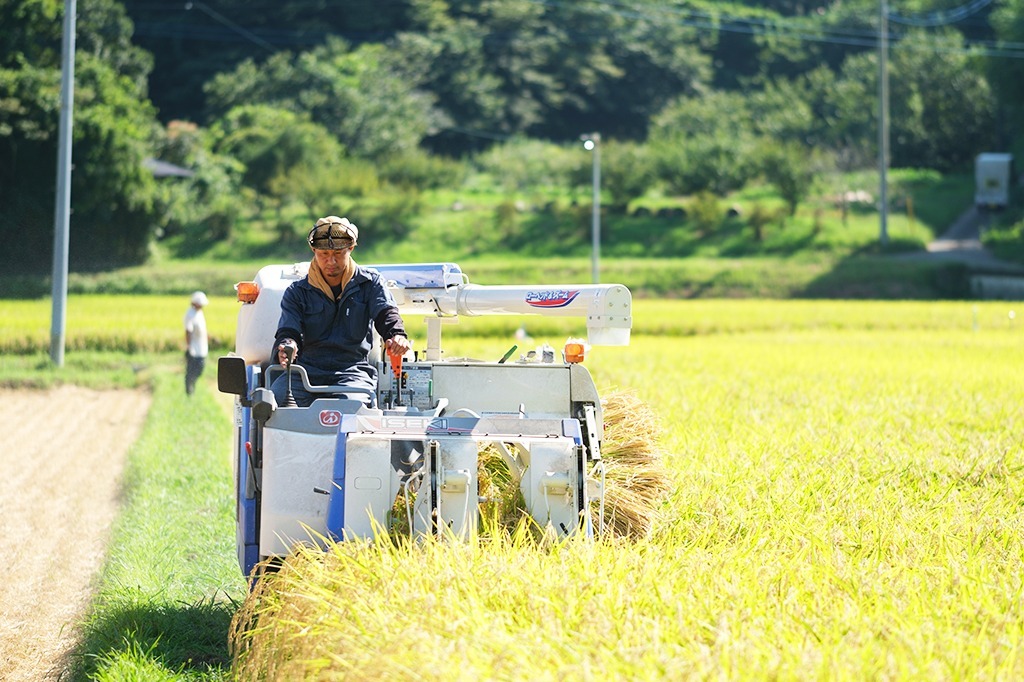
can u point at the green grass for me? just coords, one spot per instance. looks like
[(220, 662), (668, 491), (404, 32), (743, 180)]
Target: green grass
[(810, 274), (846, 505), (530, 236), (170, 583)]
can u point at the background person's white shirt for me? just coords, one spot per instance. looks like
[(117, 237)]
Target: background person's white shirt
[(195, 325)]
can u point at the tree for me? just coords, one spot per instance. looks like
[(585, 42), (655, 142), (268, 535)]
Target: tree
[(650, 57), (1006, 75), (522, 164), (361, 96), (941, 109), (193, 42), (280, 150), (626, 172), (565, 68), (703, 143), (112, 194), (205, 206), (785, 166), (316, 186), (470, 106)]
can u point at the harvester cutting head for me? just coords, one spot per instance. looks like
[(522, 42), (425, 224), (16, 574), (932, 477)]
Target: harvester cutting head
[(336, 468)]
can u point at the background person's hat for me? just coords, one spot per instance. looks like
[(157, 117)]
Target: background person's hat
[(199, 299), (332, 233)]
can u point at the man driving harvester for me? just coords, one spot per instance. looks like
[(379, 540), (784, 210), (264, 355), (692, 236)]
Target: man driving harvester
[(328, 317)]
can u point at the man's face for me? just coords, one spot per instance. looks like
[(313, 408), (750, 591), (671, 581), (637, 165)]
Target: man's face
[(332, 262)]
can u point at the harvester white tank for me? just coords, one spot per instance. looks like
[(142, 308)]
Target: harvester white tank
[(257, 322)]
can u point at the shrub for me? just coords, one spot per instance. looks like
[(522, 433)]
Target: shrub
[(626, 173), (421, 171), (389, 216), (1006, 242), (522, 164), (705, 212)]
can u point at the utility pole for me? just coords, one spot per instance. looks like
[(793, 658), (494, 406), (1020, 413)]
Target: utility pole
[(883, 122), (592, 142), (63, 203)]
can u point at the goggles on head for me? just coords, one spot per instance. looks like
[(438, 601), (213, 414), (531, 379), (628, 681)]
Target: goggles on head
[(332, 233)]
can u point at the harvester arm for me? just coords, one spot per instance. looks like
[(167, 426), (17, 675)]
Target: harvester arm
[(606, 307), (442, 292)]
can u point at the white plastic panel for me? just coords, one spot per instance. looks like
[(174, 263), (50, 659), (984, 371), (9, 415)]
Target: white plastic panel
[(549, 484), (458, 486), (293, 464), (499, 389), (457, 482), (371, 484)]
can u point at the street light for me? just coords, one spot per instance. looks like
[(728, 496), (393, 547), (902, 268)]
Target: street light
[(883, 122), (592, 142)]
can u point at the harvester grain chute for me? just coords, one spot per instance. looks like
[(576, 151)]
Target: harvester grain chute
[(335, 469)]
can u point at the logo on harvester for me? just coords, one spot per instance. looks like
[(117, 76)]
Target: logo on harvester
[(444, 426), (552, 298), (414, 425), (330, 418)]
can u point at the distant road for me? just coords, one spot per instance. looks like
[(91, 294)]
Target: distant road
[(962, 243)]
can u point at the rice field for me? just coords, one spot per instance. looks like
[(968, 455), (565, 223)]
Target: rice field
[(846, 499), (846, 502), (151, 323)]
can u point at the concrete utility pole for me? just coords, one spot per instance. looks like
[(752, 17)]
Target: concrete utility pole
[(592, 142), (883, 122), (63, 203)]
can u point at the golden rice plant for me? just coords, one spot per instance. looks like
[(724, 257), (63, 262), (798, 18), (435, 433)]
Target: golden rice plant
[(635, 478)]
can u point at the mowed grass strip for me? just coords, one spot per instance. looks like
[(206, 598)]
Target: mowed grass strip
[(846, 506), (171, 582)]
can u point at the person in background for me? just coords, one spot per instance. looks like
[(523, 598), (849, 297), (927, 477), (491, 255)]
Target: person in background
[(328, 317), (196, 341)]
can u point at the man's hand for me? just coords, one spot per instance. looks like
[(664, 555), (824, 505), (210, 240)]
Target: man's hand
[(398, 345), (282, 357)]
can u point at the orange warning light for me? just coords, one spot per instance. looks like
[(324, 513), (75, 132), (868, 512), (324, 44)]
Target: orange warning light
[(574, 352), (247, 291)]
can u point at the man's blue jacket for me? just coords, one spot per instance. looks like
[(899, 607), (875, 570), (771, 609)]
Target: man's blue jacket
[(336, 336)]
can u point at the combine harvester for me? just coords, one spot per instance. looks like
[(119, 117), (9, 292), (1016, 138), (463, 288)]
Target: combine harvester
[(335, 469)]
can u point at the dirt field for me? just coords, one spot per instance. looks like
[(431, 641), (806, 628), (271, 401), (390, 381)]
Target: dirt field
[(60, 470)]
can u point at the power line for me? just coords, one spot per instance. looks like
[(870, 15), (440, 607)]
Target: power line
[(794, 29), (247, 34), (800, 29), (943, 18)]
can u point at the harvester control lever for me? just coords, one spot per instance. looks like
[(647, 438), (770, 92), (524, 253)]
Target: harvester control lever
[(396, 367), (289, 353)]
